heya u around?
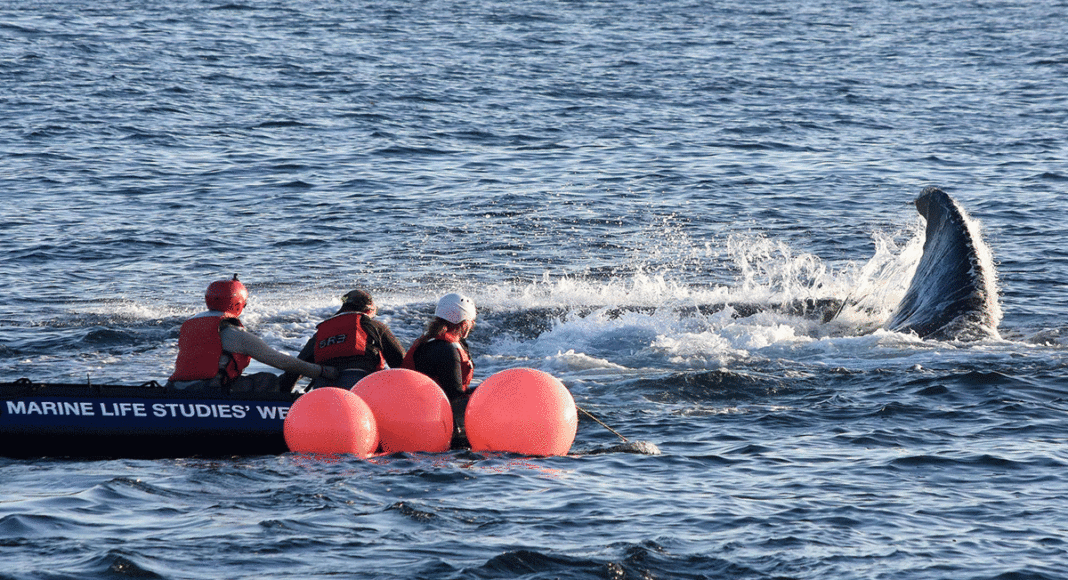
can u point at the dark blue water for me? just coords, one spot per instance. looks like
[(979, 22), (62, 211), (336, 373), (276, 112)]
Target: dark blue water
[(589, 172)]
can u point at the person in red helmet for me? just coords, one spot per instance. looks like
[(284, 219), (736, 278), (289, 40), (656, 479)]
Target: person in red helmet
[(352, 341), (214, 348), (442, 354)]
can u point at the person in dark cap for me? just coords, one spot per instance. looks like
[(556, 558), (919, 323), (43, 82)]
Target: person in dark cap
[(352, 341)]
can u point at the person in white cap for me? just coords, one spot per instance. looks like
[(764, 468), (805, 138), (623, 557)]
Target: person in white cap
[(442, 354)]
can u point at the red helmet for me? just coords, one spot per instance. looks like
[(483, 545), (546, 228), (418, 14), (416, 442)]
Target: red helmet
[(227, 296)]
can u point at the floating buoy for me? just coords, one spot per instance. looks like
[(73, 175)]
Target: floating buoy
[(411, 410), (331, 421), (524, 411)]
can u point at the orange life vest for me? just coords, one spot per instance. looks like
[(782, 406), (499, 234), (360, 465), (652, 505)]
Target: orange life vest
[(342, 336), (200, 350)]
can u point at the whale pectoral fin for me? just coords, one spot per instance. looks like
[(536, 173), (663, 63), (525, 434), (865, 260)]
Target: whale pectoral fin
[(952, 294)]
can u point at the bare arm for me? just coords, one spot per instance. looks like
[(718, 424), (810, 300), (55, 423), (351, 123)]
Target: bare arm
[(240, 341)]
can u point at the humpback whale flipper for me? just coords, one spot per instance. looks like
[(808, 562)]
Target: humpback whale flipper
[(953, 294)]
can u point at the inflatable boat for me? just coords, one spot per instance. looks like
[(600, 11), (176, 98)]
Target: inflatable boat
[(144, 421)]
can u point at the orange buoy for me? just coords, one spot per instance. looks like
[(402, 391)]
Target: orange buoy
[(411, 410), (331, 421), (523, 411)]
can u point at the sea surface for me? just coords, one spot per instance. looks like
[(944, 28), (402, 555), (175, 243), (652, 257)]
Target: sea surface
[(630, 191)]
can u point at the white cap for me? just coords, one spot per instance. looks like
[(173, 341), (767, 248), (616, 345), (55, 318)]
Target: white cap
[(455, 308)]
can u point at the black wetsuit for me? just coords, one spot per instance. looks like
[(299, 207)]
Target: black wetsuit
[(440, 360)]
